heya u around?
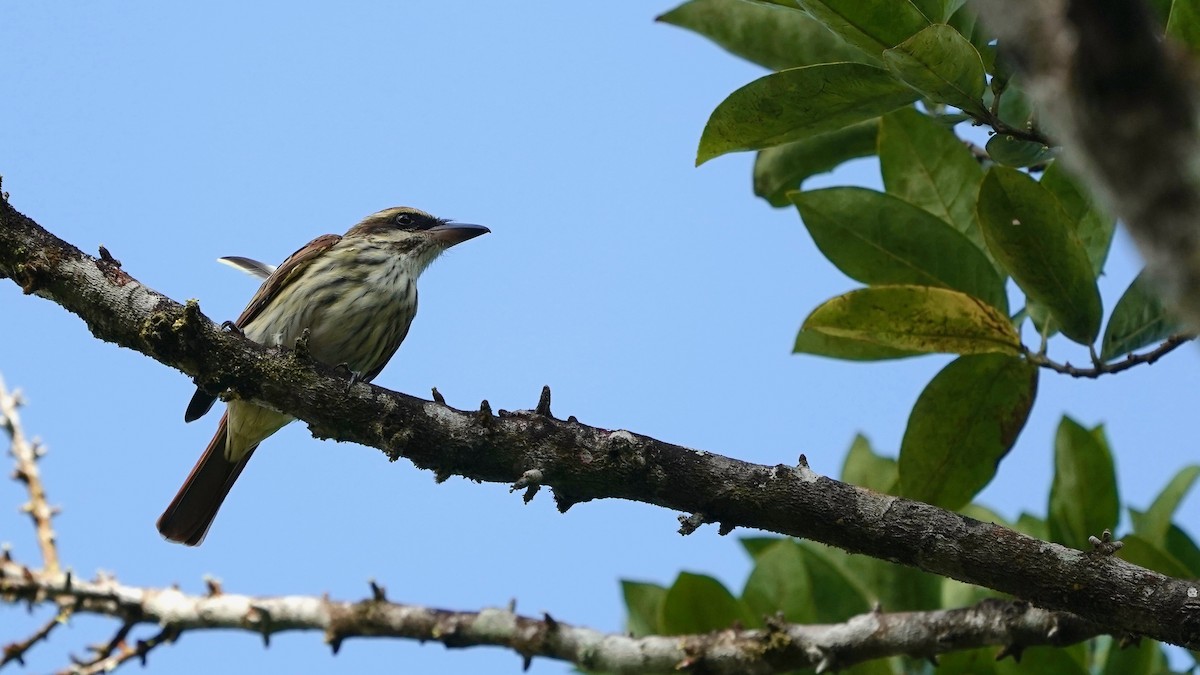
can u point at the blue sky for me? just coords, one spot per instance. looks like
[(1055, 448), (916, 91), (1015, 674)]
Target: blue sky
[(650, 295)]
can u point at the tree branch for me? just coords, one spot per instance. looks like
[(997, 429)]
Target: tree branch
[(582, 463), (26, 472), (1012, 625), (1101, 368), (1122, 103)]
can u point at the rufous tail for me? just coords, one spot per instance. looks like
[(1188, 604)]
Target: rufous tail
[(192, 511)]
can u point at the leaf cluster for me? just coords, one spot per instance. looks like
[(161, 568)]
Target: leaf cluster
[(969, 247)]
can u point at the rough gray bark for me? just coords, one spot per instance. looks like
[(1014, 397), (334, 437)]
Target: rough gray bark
[(582, 463), (781, 647)]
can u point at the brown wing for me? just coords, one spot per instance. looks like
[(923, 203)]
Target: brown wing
[(286, 273)]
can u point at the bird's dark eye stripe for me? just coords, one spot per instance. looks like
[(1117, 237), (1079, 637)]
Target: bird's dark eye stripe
[(414, 221)]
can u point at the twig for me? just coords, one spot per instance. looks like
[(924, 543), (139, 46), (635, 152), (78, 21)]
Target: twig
[(118, 652), (1100, 368), (779, 647), (15, 651), (1006, 129), (26, 455)]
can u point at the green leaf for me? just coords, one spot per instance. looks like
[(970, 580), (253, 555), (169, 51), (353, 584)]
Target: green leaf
[(798, 103), (873, 667), (1045, 660), (1183, 549), (1138, 320), (939, 11), (1083, 496), (1155, 522), (865, 468), (1015, 108), (970, 662), (870, 25), (756, 546), (983, 514), (851, 584), (697, 603), (965, 421), (925, 164), (920, 318), (836, 593), (879, 239), (1145, 657), (896, 587), (1042, 320), (1141, 552), (957, 594), (1016, 152), (1032, 526), (1183, 23), (943, 65), (780, 583), (783, 168), (773, 36), (643, 601), (819, 344), (1029, 233), (1093, 227), (965, 21)]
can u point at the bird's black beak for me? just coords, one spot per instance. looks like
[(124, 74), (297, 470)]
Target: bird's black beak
[(450, 234)]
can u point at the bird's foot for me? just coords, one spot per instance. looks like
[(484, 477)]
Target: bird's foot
[(355, 376), (232, 328)]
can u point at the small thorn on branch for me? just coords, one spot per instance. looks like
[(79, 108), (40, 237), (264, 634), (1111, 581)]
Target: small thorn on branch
[(1013, 650), (689, 524), (1127, 641), (437, 397), (378, 593), (108, 257), (531, 481), (260, 618), (1104, 544), (543, 404), (334, 641), (485, 413), (212, 586), (529, 478)]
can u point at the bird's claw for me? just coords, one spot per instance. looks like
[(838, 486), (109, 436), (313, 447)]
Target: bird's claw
[(355, 376), (232, 328)]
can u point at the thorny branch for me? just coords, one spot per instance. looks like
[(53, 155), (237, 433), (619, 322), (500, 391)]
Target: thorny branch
[(25, 454), (1011, 625), (580, 463), (1100, 368)]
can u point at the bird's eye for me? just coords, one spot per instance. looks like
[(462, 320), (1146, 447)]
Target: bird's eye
[(404, 219)]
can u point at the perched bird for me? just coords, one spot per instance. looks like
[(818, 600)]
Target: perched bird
[(356, 294)]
